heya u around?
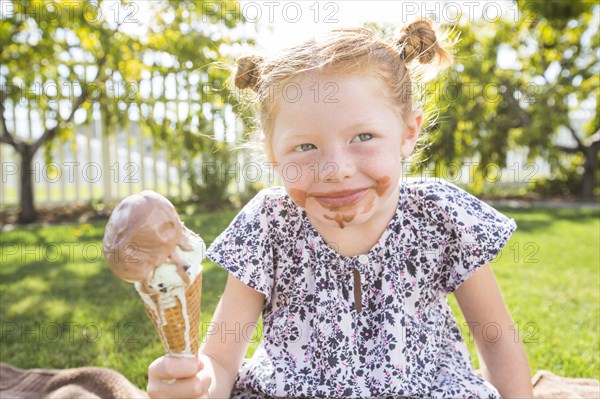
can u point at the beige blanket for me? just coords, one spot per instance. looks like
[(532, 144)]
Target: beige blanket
[(94, 382), (84, 382)]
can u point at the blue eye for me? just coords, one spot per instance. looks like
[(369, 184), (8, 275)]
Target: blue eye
[(304, 147), (362, 137)]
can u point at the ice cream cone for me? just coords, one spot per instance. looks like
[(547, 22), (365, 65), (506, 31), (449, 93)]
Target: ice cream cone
[(177, 320), (146, 243)]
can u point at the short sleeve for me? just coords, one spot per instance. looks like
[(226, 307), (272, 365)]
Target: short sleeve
[(469, 233), (244, 249)]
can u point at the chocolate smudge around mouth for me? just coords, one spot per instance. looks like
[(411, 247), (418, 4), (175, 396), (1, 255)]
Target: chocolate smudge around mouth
[(382, 185)]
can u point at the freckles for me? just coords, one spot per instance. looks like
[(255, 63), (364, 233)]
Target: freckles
[(298, 196), (382, 185)]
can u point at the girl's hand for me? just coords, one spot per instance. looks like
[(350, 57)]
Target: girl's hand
[(178, 377)]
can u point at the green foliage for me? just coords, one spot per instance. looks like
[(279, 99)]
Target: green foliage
[(47, 44), (564, 182), (188, 39), (211, 181), (516, 83), (67, 60), (557, 11)]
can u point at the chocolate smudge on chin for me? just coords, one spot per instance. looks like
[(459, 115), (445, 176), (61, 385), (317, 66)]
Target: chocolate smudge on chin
[(341, 218)]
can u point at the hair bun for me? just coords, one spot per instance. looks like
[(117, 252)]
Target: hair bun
[(418, 41), (248, 72)]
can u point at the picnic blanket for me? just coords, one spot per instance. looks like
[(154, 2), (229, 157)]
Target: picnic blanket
[(96, 382)]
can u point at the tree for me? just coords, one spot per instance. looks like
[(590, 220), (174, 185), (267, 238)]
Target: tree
[(488, 104), (93, 55)]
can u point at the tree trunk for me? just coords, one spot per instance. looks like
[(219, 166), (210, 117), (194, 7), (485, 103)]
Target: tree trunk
[(589, 172), (27, 214)]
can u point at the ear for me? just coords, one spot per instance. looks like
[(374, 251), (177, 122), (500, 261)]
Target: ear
[(413, 128)]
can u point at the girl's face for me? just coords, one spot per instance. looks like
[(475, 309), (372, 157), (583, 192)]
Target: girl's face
[(338, 144)]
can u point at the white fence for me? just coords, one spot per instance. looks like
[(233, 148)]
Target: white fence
[(97, 166)]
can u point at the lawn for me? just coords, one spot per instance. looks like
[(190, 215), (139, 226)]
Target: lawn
[(60, 306)]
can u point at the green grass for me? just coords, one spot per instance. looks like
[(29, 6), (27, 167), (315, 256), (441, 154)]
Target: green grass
[(60, 306)]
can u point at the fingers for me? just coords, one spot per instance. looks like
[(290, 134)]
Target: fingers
[(171, 367), (172, 377), (193, 387)]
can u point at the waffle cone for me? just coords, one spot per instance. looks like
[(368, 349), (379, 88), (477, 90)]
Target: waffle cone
[(172, 327)]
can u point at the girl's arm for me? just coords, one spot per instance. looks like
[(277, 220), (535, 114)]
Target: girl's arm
[(231, 329), (221, 353), (502, 357)]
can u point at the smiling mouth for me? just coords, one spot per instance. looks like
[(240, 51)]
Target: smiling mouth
[(339, 199)]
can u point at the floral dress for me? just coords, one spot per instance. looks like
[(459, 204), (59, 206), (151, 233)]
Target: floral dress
[(405, 341)]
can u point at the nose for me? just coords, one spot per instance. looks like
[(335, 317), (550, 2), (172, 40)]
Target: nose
[(337, 165)]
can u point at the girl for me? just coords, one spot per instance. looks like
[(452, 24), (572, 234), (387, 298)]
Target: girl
[(349, 263)]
